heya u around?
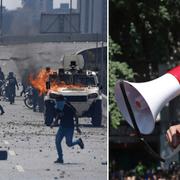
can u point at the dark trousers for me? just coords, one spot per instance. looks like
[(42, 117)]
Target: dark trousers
[(68, 134), (11, 94), (11, 98), (34, 101)]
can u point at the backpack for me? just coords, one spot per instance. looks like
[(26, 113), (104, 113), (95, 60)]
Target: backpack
[(11, 82)]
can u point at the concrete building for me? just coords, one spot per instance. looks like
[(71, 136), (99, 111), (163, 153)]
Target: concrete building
[(46, 5), (38, 5), (93, 16), (85, 17), (64, 6)]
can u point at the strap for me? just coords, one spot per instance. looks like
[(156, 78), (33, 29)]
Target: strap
[(129, 108)]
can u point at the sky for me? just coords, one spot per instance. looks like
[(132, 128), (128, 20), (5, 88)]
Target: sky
[(13, 4)]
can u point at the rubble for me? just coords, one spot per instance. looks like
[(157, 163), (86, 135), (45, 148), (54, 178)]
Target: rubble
[(34, 146)]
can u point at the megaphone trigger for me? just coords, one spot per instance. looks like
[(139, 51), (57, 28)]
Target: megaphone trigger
[(169, 152)]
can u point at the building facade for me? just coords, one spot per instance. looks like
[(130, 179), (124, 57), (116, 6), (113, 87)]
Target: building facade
[(93, 15), (38, 5)]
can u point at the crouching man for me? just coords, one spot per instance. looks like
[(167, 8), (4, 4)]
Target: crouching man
[(66, 113)]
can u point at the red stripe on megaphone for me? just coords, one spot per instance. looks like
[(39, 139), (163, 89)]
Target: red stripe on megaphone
[(175, 72)]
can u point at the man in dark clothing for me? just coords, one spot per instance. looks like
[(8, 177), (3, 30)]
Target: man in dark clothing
[(24, 88), (66, 113), (11, 88), (25, 81), (37, 100)]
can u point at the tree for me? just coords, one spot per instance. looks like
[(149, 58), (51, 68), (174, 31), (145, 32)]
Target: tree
[(147, 30), (117, 70), (141, 31)]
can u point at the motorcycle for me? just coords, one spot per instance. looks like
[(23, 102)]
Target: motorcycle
[(3, 89), (28, 100)]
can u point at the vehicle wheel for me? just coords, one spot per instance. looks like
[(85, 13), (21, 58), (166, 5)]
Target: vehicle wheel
[(97, 113), (28, 102), (49, 112)]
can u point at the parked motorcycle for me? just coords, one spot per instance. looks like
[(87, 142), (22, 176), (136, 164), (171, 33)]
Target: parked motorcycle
[(28, 98)]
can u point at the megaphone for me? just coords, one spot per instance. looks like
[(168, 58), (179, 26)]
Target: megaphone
[(148, 98)]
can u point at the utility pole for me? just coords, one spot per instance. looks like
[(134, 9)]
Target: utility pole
[(70, 20), (102, 43)]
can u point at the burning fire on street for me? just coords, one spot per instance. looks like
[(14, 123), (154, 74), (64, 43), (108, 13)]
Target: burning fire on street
[(39, 82)]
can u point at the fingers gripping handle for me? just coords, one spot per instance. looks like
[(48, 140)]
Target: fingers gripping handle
[(172, 152)]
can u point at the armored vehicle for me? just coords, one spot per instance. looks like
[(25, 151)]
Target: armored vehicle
[(80, 87)]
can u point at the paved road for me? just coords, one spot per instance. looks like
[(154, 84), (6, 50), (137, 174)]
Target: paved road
[(31, 148)]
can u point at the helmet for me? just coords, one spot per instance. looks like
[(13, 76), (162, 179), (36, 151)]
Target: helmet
[(11, 74)]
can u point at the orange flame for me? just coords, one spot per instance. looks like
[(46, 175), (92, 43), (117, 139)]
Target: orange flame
[(39, 82)]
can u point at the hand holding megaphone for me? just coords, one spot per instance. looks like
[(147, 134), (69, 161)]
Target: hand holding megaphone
[(140, 103), (173, 135), (173, 139)]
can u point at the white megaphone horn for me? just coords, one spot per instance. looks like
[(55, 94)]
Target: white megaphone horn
[(148, 98)]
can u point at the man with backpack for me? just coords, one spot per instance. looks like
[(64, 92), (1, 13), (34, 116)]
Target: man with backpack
[(11, 87)]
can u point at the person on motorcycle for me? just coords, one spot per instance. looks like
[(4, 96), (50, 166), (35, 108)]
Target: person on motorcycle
[(11, 87)]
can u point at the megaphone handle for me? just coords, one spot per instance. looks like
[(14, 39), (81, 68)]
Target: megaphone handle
[(174, 151)]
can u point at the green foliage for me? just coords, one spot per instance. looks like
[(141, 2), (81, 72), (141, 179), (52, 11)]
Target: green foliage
[(148, 30), (114, 48), (144, 31), (163, 13), (117, 70)]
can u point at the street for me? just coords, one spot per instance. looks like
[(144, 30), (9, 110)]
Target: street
[(31, 148)]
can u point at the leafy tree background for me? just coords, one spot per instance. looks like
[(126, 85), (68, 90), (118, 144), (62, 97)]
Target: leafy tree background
[(117, 70), (144, 35)]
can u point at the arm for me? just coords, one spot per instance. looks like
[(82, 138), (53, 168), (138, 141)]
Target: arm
[(173, 135), (75, 116), (16, 84), (55, 121)]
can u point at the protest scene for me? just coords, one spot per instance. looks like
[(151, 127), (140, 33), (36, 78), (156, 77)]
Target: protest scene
[(53, 90)]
